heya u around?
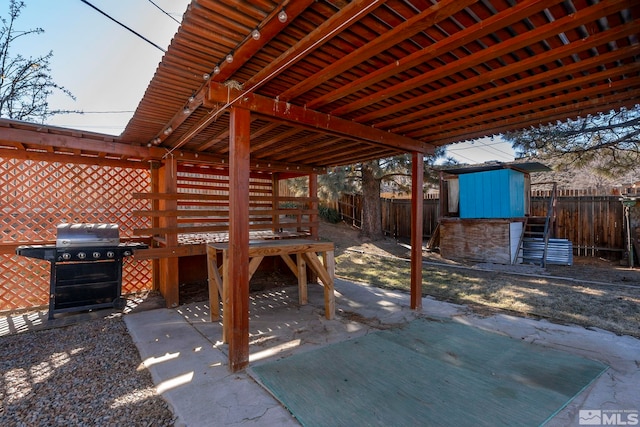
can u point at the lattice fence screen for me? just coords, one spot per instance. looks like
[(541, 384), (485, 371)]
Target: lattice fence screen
[(36, 196)]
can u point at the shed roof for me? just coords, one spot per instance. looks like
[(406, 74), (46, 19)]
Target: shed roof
[(339, 82), (524, 167)]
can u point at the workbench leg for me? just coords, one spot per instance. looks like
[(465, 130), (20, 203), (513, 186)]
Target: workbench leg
[(302, 280), (226, 306), (329, 288), (325, 272), (213, 281), (329, 261)]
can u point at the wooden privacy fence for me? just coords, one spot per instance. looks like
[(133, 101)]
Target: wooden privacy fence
[(396, 214), (36, 196), (594, 224)]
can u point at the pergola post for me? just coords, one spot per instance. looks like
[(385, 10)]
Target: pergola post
[(239, 153), (275, 191), (169, 280), (313, 194), (154, 177), (417, 206)]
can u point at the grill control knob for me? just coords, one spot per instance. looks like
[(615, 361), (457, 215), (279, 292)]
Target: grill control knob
[(126, 253), (110, 254), (96, 255), (66, 256), (82, 255)]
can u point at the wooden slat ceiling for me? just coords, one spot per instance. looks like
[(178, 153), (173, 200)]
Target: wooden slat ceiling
[(339, 82)]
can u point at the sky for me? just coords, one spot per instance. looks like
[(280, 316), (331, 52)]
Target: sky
[(481, 150), (107, 68)]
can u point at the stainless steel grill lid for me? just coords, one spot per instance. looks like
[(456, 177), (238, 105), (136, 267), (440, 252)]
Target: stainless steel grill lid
[(82, 235)]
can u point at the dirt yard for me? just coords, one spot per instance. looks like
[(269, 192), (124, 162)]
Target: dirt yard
[(593, 292)]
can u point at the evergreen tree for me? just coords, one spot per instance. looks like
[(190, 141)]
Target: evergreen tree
[(607, 143), (369, 178)]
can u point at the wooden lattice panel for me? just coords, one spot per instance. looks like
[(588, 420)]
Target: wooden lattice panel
[(37, 196), (136, 276), (24, 282)]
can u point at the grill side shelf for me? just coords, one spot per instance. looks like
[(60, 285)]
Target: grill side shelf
[(45, 252)]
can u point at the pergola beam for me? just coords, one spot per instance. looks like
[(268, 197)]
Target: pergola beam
[(46, 139), (221, 94), (33, 139), (45, 156)]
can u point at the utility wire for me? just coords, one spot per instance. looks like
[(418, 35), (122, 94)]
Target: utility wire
[(124, 26), (500, 152), (466, 158), (103, 112), (480, 145), (163, 11)]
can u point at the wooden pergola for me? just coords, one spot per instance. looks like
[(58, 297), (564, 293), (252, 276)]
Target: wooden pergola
[(303, 85)]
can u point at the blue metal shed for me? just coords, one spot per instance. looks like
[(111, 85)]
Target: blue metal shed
[(492, 194)]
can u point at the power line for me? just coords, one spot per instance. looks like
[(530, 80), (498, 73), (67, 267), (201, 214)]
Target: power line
[(103, 112), (163, 11), (466, 158), (124, 26), (481, 145), (501, 152), (478, 141)]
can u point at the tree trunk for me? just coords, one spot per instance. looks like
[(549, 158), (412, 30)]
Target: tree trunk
[(371, 203)]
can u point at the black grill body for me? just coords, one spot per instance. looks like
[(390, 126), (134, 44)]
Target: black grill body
[(83, 277)]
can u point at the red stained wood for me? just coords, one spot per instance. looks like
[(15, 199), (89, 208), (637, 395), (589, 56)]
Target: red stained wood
[(313, 193), (417, 182), (301, 116), (169, 280), (513, 44), (484, 79), (239, 238)]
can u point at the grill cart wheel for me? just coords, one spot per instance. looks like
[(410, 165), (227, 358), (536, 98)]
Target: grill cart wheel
[(119, 303)]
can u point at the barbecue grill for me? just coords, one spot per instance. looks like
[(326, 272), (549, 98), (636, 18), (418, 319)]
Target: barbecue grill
[(86, 266)]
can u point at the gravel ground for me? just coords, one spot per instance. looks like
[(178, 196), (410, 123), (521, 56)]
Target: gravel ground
[(87, 374)]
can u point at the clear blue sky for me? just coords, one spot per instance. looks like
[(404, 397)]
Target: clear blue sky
[(107, 68)]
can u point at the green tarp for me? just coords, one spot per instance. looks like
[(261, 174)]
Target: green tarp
[(428, 373)]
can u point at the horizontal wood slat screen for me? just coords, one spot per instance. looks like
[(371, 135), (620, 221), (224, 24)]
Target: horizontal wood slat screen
[(203, 205), (36, 196)]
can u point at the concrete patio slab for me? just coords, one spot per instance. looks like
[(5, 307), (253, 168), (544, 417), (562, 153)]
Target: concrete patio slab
[(188, 362)]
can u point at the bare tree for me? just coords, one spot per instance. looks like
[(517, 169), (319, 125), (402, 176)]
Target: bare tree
[(25, 83), (608, 143)]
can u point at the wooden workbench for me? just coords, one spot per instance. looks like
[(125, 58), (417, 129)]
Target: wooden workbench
[(306, 254)]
